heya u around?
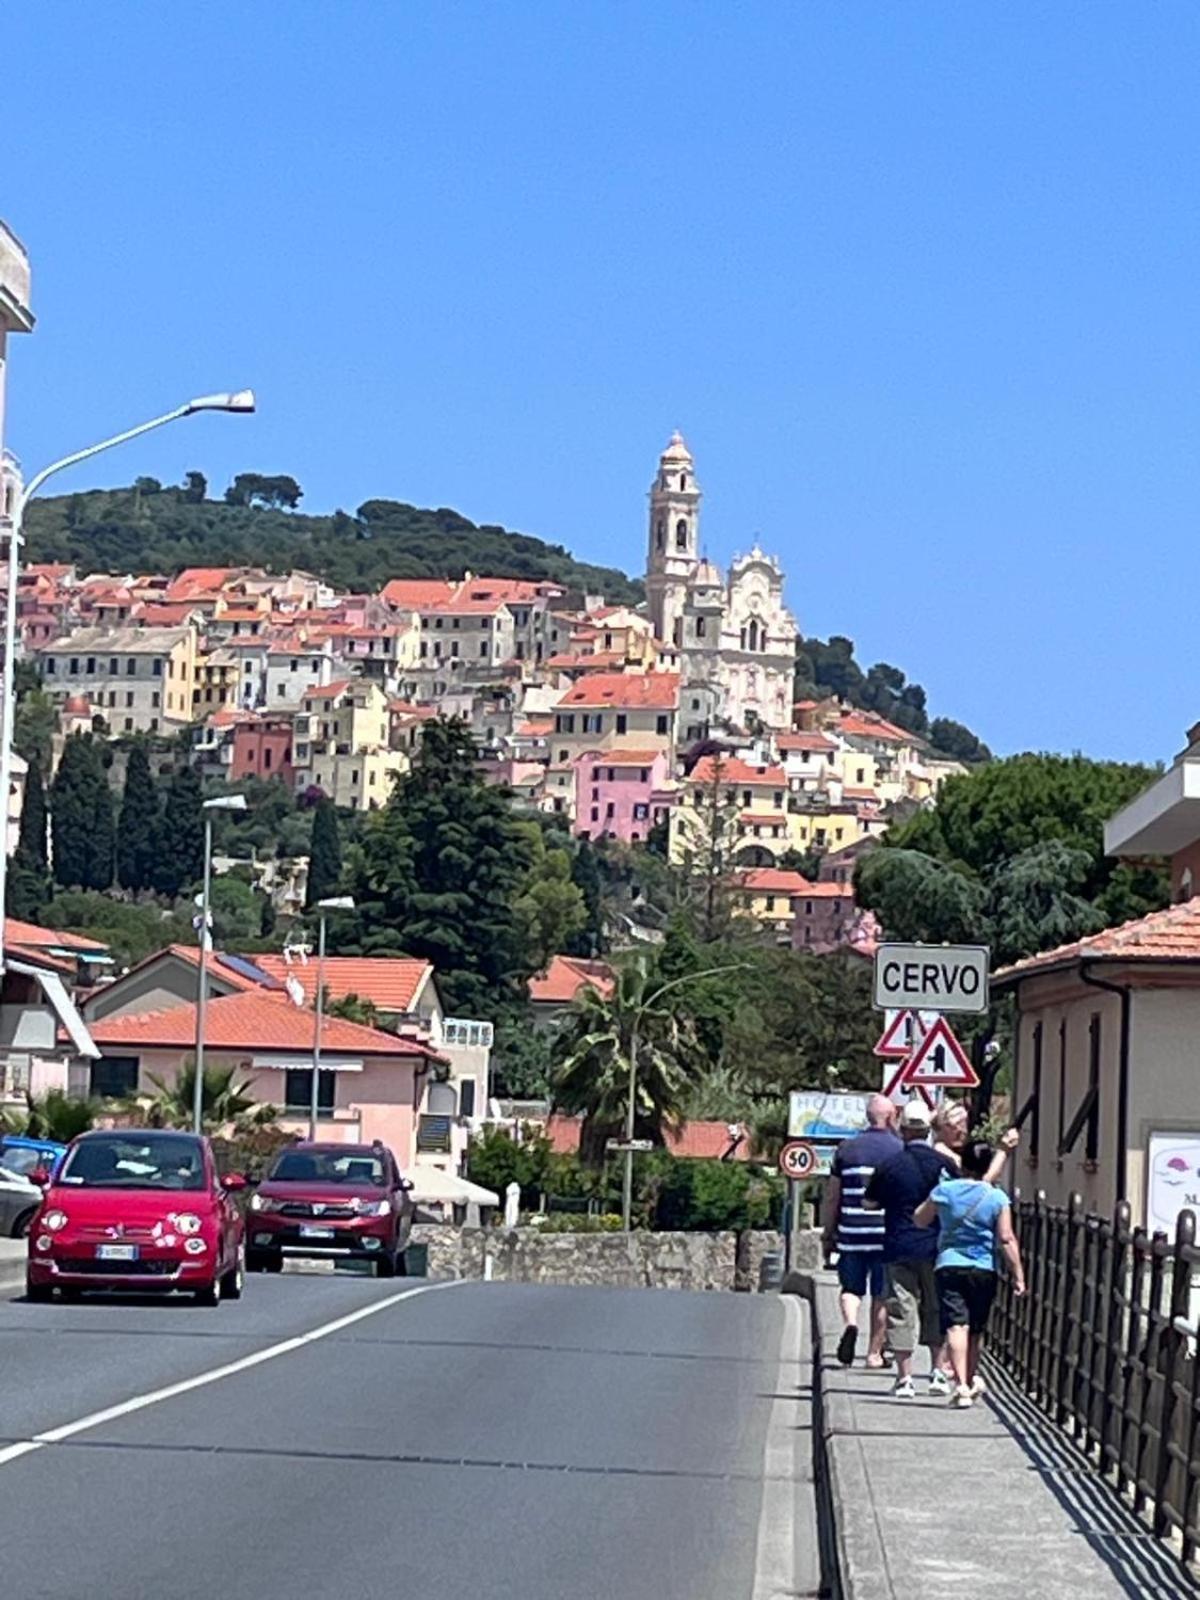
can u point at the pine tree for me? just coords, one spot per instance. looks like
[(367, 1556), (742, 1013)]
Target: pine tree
[(324, 855), (179, 834), (81, 817), (443, 865), (139, 818)]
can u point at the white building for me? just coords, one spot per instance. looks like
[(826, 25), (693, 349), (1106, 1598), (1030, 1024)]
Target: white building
[(736, 637)]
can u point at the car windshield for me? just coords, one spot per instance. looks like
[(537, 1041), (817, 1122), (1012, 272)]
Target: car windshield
[(135, 1161), (22, 1161), (328, 1166)]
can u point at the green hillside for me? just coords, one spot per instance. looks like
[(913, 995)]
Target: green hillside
[(149, 528)]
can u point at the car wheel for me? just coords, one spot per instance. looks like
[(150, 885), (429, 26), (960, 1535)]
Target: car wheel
[(234, 1280), (38, 1292), (210, 1295), (385, 1266), (21, 1225)]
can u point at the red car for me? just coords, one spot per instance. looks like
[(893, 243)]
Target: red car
[(138, 1208), (346, 1200)]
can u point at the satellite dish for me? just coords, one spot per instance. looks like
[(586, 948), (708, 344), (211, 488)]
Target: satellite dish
[(295, 989)]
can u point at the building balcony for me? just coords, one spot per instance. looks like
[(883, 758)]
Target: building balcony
[(1162, 819)]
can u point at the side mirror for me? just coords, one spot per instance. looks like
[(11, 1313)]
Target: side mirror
[(233, 1181), (40, 1176), (406, 1185)]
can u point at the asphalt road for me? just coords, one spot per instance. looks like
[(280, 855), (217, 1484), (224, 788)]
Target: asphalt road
[(333, 1436)]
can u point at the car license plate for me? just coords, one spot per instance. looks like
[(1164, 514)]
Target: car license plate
[(315, 1233), (116, 1252)]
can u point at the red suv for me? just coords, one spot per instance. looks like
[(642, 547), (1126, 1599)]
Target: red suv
[(344, 1200)]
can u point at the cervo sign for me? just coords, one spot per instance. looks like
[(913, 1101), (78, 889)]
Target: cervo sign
[(932, 977)]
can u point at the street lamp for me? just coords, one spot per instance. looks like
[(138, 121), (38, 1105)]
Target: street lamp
[(242, 401), (222, 802), (336, 902), (631, 1108)]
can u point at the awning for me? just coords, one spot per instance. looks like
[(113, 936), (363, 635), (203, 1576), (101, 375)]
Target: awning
[(434, 1186), (60, 1003)]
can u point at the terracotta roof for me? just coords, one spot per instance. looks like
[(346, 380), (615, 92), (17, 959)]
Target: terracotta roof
[(459, 607), (860, 794), (711, 1141), (194, 579), (330, 690), (828, 891), (598, 662), (621, 758), (160, 614), (868, 726), (734, 770), (417, 591), (763, 816), (535, 728), (774, 880), (566, 976), (653, 690), (511, 589), (18, 932), (1170, 935), (804, 741), (259, 1021), (390, 982)]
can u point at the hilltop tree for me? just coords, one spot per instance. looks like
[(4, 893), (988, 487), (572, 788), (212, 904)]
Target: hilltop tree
[(136, 842), (253, 488), (324, 855), (179, 834), (442, 866), (195, 489), (82, 817)]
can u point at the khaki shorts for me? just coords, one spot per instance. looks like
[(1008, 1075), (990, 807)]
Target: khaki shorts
[(912, 1306)]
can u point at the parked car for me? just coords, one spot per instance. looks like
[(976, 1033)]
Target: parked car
[(346, 1200), (138, 1208), (19, 1199), (21, 1154)]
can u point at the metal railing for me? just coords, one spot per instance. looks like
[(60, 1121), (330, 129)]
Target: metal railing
[(1105, 1344)]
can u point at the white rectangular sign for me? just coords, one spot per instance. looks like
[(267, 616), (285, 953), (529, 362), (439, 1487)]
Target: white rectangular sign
[(932, 977), (1172, 1179)]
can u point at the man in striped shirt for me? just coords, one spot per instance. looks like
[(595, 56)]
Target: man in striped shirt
[(857, 1232)]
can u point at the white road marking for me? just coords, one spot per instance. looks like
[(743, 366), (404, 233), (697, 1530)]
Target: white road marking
[(775, 1554), (153, 1397)]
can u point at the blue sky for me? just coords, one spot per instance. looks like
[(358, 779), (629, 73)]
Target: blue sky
[(918, 282)]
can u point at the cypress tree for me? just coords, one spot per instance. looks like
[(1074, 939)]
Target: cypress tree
[(324, 855), (81, 817), (139, 817), (32, 839), (179, 834)]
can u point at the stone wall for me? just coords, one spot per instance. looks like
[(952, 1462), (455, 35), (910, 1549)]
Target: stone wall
[(618, 1260)]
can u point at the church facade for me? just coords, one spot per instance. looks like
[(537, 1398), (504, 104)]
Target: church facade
[(735, 635)]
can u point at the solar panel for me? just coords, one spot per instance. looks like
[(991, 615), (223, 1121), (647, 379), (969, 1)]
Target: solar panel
[(245, 968)]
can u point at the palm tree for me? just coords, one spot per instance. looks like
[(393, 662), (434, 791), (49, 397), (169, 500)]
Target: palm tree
[(599, 1036), (58, 1116), (223, 1102)]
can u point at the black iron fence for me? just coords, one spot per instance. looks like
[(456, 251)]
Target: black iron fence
[(1105, 1343)]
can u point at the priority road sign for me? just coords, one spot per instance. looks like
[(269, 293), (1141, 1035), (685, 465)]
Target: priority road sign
[(799, 1159), (939, 1059), (932, 977)]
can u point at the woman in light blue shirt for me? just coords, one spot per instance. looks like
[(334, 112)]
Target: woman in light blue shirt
[(973, 1218)]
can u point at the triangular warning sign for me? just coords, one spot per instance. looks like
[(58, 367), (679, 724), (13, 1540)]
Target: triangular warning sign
[(895, 1090), (939, 1058), (898, 1038)]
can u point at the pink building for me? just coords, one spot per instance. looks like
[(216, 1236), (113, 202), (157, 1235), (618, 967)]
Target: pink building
[(620, 794), (262, 748)]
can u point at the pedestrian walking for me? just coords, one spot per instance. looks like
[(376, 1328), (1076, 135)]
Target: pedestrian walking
[(974, 1218), (856, 1232), (898, 1187)]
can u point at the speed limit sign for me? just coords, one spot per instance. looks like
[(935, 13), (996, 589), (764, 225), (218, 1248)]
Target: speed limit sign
[(798, 1159)]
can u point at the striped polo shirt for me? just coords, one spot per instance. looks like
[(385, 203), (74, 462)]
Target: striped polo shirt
[(861, 1231)]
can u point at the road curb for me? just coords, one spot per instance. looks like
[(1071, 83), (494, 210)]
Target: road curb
[(12, 1275), (853, 1558)]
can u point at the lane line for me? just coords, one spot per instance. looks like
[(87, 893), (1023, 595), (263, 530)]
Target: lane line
[(170, 1391), (775, 1551)]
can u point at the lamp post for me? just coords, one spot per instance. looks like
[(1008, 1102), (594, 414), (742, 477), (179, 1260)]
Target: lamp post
[(242, 401), (631, 1108), (337, 902), (223, 802)]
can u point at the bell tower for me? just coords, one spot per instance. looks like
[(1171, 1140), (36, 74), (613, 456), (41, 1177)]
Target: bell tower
[(672, 551)]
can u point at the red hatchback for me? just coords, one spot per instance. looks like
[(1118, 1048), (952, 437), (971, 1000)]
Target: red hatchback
[(345, 1200), (138, 1208)]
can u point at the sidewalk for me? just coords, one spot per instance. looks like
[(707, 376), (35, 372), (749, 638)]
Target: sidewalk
[(934, 1504), (12, 1265)]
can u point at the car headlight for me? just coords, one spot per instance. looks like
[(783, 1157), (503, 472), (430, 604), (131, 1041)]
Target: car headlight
[(55, 1221), (186, 1222), (373, 1208), (262, 1202)]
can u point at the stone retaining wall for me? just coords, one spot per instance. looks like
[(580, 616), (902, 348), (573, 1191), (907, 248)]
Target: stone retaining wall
[(619, 1260)]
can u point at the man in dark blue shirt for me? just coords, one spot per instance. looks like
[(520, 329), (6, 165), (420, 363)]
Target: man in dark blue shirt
[(898, 1187), (857, 1232)]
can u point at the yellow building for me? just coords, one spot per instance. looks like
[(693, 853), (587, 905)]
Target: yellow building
[(768, 895), (606, 711), (218, 674), (341, 744), (733, 809)]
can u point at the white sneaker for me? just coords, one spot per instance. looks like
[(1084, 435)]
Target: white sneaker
[(978, 1387), (939, 1383), (962, 1399), (904, 1389)]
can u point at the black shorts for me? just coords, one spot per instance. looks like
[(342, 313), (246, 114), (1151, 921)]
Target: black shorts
[(965, 1295)]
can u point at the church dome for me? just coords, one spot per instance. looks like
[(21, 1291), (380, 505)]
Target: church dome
[(677, 450), (708, 575)]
